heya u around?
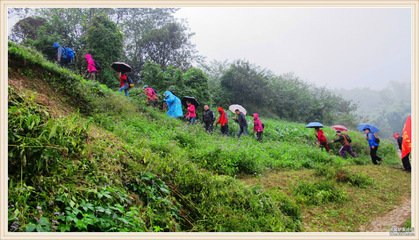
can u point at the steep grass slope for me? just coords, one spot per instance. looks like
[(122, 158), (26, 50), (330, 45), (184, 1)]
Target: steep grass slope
[(84, 158)]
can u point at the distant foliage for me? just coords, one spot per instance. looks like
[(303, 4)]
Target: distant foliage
[(285, 96), (387, 108), (190, 82)]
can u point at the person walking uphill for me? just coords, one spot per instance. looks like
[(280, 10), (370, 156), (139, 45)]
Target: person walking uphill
[(373, 143), (223, 121), (123, 83), (152, 98), (321, 138), (91, 67), (257, 127), (191, 115), (399, 139), (345, 140), (241, 119), (208, 118), (65, 55), (174, 105)]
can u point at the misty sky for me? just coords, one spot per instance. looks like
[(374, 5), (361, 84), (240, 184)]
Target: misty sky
[(332, 47)]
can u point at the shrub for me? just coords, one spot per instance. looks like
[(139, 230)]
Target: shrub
[(318, 193)]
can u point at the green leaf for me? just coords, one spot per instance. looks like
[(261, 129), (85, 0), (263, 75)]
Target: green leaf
[(44, 221), (53, 131), (30, 227)]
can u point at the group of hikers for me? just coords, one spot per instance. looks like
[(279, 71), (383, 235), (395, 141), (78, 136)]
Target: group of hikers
[(373, 142), (174, 109), (346, 141), (173, 105)]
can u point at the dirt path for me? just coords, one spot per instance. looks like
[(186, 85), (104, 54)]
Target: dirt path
[(397, 217)]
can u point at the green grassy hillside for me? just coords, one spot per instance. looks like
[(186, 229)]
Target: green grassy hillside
[(84, 158)]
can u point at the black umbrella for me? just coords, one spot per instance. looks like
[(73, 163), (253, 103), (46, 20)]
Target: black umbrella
[(121, 67), (191, 100)]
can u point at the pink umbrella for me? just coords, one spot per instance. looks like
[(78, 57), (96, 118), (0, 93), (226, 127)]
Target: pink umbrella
[(339, 128)]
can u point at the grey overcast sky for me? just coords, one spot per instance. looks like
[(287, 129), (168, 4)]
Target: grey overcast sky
[(332, 47)]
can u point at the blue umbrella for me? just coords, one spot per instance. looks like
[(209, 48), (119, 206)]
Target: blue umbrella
[(372, 128), (314, 125)]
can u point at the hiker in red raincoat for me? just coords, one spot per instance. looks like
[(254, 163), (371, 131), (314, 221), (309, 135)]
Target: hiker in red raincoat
[(321, 138), (152, 98), (223, 121), (123, 83), (191, 115), (407, 144), (257, 127)]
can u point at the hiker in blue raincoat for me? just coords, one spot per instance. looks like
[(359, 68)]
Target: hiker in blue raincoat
[(174, 105), (64, 55), (373, 142)]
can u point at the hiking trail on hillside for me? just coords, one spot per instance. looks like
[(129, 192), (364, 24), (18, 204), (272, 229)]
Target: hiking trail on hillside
[(396, 217)]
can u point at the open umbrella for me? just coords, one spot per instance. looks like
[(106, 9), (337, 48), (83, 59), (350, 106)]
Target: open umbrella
[(314, 125), (372, 128), (121, 67), (237, 106), (340, 128), (191, 100)]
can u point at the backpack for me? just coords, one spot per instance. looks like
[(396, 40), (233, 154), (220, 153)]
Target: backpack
[(130, 82), (347, 138), (97, 65), (376, 139), (208, 116), (68, 54), (263, 126)]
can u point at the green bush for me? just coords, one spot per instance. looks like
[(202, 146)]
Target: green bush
[(318, 193)]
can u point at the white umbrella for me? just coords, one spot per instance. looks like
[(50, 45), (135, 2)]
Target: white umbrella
[(237, 106)]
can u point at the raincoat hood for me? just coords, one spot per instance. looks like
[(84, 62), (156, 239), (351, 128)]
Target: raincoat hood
[(88, 56), (56, 45), (91, 65), (257, 124), (168, 94), (223, 120)]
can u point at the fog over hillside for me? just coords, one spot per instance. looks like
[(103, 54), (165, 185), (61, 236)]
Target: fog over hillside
[(387, 108)]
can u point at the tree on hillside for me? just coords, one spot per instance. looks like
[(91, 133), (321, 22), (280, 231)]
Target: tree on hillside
[(104, 41), (168, 45), (27, 29), (214, 70), (245, 84)]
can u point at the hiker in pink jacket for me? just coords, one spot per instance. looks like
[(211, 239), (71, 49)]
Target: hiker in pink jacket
[(91, 67), (152, 98), (257, 126), (191, 115)]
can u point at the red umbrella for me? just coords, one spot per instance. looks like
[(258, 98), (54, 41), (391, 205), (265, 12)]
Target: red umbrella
[(339, 128)]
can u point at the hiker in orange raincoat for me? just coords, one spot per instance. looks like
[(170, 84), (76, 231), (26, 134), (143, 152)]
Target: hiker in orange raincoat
[(223, 121)]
